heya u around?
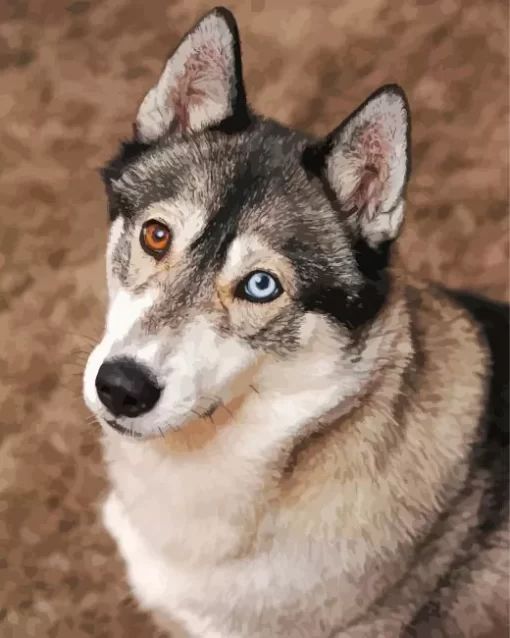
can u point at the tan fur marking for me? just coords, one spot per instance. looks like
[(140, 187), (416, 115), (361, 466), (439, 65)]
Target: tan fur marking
[(348, 457), (201, 432)]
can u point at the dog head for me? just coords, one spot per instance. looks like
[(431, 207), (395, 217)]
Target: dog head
[(243, 256)]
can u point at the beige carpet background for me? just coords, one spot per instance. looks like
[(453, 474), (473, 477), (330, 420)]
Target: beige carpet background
[(71, 76)]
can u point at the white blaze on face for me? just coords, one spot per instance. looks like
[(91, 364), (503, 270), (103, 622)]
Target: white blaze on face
[(125, 309), (125, 312)]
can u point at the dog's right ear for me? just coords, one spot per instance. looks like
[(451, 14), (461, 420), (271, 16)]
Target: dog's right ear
[(365, 163), (201, 85)]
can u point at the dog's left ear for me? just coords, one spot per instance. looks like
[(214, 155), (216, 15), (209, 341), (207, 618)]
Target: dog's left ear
[(366, 164), (201, 85)]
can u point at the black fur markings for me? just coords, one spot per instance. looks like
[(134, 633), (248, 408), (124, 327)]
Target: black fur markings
[(240, 118), (211, 247), (356, 307), (490, 455), (493, 452), (353, 308)]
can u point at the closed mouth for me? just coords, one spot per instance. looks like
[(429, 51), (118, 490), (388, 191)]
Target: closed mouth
[(122, 429), (206, 414)]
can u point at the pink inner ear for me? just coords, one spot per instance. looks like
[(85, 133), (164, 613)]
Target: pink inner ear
[(203, 78), (371, 151)]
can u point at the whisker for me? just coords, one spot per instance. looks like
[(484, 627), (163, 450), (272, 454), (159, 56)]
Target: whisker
[(223, 405), (91, 420), (76, 374), (92, 340), (75, 352)]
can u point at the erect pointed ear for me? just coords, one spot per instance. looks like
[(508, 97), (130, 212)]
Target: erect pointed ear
[(201, 85), (366, 164)]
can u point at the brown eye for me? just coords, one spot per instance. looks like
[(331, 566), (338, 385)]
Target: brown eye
[(155, 238)]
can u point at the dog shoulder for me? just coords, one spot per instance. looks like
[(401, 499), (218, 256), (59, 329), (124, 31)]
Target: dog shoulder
[(492, 452)]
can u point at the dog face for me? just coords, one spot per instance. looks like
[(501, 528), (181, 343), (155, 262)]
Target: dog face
[(243, 257)]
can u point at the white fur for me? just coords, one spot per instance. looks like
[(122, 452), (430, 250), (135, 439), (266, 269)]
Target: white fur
[(163, 503), (209, 599), (384, 226), (124, 314), (244, 252)]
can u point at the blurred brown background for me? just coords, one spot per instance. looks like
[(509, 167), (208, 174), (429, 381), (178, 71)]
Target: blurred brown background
[(72, 74)]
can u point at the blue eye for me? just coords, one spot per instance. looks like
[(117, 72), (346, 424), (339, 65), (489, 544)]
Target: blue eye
[(259, 287)]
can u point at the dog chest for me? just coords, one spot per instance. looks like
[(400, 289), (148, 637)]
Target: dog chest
[(228, 598)]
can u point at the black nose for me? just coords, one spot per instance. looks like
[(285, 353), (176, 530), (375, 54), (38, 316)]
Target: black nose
[(125, 388)]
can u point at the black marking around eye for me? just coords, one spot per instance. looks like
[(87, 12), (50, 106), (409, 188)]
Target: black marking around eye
[(351, 305)]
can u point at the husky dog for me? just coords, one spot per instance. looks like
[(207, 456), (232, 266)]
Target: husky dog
[(302, 440)]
